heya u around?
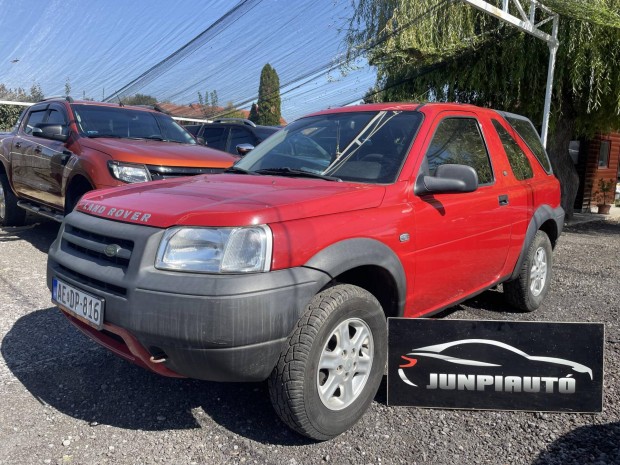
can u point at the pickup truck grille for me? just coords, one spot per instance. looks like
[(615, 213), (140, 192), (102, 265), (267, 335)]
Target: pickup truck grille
[(167, 172), (110, 250)]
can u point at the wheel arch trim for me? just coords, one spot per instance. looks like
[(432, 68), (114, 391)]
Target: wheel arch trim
[(349, 254)]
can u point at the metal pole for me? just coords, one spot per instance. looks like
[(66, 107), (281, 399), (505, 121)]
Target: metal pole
[(553, 49)]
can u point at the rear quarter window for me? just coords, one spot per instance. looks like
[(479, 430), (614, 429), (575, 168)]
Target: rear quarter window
[(516, 157), (526, 130)]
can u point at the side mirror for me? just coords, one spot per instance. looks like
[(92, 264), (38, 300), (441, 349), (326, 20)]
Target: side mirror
[(244, 149), (201, 140), (448, 179), (57, 132)]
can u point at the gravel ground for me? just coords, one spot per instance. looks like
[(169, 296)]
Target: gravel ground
[(65, 400)]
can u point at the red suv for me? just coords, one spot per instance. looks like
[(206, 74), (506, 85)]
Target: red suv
[(286, 267)]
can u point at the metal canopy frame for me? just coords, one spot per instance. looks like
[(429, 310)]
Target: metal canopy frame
[(527, 22)]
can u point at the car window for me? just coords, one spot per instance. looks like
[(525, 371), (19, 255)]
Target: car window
[(459, 141), (215, 138), (56, 117), (241, 136), (516, 157), (34, 118), (368, 146), (526, 130)]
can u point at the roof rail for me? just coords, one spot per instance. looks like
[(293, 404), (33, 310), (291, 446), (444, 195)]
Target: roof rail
[(155, 107), (56, 97), (235, 120)]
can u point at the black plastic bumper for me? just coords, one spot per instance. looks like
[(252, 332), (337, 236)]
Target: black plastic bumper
[(212, 327)]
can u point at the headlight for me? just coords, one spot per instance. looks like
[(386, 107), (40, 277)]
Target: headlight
[(127, 172), (216, 250)]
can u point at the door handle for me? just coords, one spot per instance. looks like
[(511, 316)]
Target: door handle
[(18, 145), (37, 149), (503, 200)]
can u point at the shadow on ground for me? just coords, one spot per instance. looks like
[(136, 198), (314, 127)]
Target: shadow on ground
[(38, 231), (65, 370), (597, 444)]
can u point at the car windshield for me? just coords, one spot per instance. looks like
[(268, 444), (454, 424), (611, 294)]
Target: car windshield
[(100, 121), (367, 147)]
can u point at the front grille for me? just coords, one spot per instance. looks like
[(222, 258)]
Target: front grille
[(92, 282), (167, 172), (90, 244)]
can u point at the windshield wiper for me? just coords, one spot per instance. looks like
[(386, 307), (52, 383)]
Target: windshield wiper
[(286, 171), (236, 169)]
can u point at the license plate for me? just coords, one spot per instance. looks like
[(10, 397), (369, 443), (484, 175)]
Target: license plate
[(87, 307)]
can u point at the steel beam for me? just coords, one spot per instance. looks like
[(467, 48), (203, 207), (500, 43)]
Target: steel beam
[(527, 23)]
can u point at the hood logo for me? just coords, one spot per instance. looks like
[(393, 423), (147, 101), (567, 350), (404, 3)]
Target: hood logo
[(112, 250)]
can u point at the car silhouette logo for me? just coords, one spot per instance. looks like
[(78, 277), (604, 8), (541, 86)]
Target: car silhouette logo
[(437, 351)]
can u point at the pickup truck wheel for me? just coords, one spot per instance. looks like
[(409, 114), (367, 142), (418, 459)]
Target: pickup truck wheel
[(529, 290), (10, 213), (332, 364)]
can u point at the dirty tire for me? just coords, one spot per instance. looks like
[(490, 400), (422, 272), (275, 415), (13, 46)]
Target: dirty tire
[(10, 213), (340, 340), (530, 288)]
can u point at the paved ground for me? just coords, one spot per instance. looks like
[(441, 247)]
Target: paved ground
[(65, 400)]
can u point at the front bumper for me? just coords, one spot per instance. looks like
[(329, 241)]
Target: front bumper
[(212, 327)]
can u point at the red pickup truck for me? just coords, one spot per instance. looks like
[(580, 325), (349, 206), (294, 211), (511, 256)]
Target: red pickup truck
[(286, 266), (62, 148)]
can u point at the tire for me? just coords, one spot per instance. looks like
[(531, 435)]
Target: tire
[(10, 213), (332, 364), (531, 286)]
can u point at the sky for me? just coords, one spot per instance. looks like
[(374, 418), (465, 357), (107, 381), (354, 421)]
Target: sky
[(103, 46)]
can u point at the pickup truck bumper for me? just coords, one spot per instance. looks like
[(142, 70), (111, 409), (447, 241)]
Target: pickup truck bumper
[(212, 327)]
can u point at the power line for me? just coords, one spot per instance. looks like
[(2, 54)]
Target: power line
[(164, 65)]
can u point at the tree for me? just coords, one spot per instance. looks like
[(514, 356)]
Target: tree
[(253, 112), (140, 99), (67, 87), (449, 51), (268, 106), (10, 113), (230, 112)]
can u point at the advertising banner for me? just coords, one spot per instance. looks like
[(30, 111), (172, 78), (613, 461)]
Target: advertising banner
[(496, 365)]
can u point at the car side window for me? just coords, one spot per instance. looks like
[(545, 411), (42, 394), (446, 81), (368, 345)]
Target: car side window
[(34, 118), (459, 141), (241, 136), (215, 138), (516, 157), (56, 117)]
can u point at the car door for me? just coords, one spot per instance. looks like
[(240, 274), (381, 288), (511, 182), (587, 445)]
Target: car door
[(39, 162), (461, 239), (24, 151), (240, 135)]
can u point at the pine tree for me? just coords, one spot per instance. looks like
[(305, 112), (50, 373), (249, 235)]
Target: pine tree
[(268, 105)]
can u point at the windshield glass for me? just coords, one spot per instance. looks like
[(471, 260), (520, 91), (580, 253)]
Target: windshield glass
[(121, 122), (365, 147)]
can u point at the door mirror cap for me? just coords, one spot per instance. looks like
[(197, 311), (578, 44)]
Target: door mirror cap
[(57, 132), (244, 149), (448, 179)]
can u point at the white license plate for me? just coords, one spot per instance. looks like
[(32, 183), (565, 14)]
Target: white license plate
[(87, 307)]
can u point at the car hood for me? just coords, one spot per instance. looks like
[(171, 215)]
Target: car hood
[(229, 200), (154, 152)]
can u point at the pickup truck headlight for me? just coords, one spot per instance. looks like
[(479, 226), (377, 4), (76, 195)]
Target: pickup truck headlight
[(216, 250), (128, 172)]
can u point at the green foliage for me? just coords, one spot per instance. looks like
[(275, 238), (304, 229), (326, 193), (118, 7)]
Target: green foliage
[(67, 87), (209, 108), (604, 195), (230, 112), (140, 99), (253, 112), (268, 105), (449, 51), (10, 113)]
